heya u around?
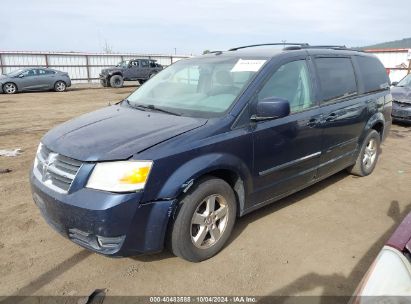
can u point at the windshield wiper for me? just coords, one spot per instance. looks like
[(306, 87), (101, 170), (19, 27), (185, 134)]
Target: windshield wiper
[(153, 108)]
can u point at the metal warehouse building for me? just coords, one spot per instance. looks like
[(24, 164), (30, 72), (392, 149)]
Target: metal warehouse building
[(82, 67), (396, 61)]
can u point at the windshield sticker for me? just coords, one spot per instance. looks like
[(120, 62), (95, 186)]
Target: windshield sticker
[(248, 65)]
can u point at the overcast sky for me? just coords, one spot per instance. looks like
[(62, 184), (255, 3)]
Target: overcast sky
[(160, 26)]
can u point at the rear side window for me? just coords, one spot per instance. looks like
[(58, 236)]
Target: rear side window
[(337, 78), (372, 73)]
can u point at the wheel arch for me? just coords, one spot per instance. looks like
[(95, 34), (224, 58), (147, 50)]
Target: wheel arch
[(226, 167), (115, 73), (377, 123), (59, 80)]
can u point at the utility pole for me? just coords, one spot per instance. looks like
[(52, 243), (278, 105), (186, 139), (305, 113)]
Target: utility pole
[(409, 61)]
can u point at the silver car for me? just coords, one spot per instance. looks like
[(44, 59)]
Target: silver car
[(34, 79)]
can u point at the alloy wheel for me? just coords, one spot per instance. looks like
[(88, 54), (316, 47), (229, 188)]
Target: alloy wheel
[(209, 221), (370, 153), (9, 88), (60, 86)]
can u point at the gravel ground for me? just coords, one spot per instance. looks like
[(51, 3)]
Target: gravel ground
[(319, 241)]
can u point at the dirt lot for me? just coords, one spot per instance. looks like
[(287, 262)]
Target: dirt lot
[(319, 241)]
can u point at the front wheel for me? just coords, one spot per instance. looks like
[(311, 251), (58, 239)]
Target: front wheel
[(204, 221), (368, 156), (60, 86), (116, 81), (9, 88)]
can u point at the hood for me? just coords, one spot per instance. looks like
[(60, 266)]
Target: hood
[(402, 94), (115, 133), (111, 70)]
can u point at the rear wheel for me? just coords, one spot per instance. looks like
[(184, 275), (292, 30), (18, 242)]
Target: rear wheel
[(9, 88), (60, 86), (204, 221), (116, 81), (368, 156)]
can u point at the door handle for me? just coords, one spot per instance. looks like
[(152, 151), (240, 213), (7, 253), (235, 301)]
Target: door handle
[(331, 117), (313, 122)]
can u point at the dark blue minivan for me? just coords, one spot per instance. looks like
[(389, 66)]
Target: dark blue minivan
[(207, 140)]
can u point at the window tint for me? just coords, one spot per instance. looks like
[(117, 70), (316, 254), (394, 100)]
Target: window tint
[(337, 78), (372, 73), (41, 72), (144, 63), (29, 73), (292, 82)]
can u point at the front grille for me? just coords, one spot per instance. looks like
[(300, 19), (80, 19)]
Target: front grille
[(55, 170)]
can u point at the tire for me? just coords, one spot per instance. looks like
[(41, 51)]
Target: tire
[(141, 81), (116, 81), (200, 231), (60, 86), (9, 88), (104, 83), (368, 156)]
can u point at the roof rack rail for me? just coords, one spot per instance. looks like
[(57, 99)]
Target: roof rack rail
[(326, 47), (215, 52), (264, 44)]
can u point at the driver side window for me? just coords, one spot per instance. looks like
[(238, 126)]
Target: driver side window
[(292, 82), (29, 73)]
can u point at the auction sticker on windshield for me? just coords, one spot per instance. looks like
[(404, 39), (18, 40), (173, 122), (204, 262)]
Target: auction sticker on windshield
[(248, 65)]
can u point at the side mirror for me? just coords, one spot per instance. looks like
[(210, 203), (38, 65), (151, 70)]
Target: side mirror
[(21, 75), (271, 108), (394, 83)]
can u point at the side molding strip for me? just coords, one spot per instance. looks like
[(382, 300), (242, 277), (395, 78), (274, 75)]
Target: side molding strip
[(291, 163)]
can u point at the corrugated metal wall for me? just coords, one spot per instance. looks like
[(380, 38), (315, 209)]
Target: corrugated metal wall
[(82, 67), (395, 60)]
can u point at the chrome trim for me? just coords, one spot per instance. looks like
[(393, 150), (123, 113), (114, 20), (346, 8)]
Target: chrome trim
[(54, 170), (285, 165)]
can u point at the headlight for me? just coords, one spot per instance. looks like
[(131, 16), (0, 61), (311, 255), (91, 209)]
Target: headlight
[(36, 160), (120, 176)]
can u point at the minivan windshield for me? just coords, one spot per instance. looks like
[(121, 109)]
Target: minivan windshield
[(405, 82), (197, 87)]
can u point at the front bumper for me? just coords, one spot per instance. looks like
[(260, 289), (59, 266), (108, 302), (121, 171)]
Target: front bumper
[(103, 78), (107, 223), (401, 111)]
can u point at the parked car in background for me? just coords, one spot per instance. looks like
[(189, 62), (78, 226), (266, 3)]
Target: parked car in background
[(207, 140), (34, 79), (401, 94), (388, 279), (127, 70)]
